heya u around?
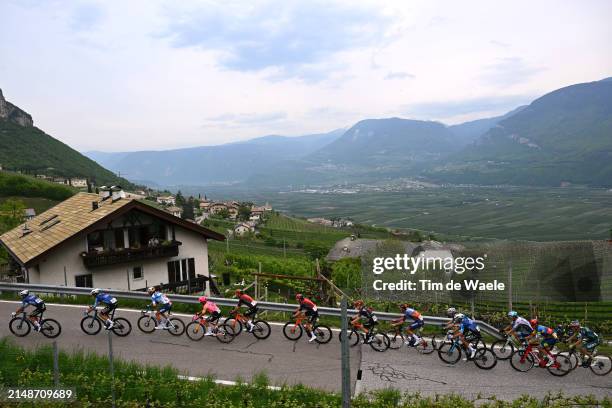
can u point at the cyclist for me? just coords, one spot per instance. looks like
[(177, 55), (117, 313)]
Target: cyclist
[(31, 300), (309, 308), (417, 323), (520, 327), (251, 305), (586, 338), (370, 320), (214, 314), (549, 339), (110, 304), (162, 304), (465, 327)]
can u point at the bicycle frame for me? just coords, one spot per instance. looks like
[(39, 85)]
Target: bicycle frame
[(533, 350)]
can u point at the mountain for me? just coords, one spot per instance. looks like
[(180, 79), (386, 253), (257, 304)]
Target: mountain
[(468, 132), (563, 136), (26, 148), (223, 164)]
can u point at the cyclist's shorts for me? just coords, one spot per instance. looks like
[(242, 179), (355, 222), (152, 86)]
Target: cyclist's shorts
[(213, 317), (38, 311), (165, 308), (417, 325), (109, 308), (312, 316), (590, 344), (370, 323), (549, 342), (522, 331), (251, 311), (471, 334)]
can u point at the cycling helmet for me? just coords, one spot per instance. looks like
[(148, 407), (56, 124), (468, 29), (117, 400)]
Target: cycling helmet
[(24, 293), (238, 292), (451, 312), (512, 314), (358, 303), (574, 323), (404, 306), (299, 296), (203, 299), (151, 290), (533, 322), (94, 292), (459, 316)]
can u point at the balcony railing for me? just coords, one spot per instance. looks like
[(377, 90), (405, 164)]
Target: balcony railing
[(118, 256)]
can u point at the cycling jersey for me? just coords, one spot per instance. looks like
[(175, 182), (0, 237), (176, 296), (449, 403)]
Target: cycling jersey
[(468, 324), (159, 298), (32, 300), (211, 307), (545, 332), (412, 314), (105, 299), (587, 334), (246, 300), (520, 322), (308, 305), (369, 315)]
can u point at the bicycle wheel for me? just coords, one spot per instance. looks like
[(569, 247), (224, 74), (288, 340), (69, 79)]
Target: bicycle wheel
[(122, 327), (176, 327), (323, 334), (195, 331), (292, 331), (425, 346), (90, 325), (19, 326), (561, 366), (353, 337), (574, 359), (223, 335), (601, 365), (261, 329), (380, 342), (485, 359), (520, 362), (396, 339), (438, 340), (147, 324), (502, 349), (50, 328), (450, 353), (234, 326)]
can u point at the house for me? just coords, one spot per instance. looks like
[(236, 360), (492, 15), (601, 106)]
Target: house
[(174, 210), (108, 241), (139, 195), (166, 200), (232, 209), (29, 213), (61, 180), (243, 228), (216, 208), (204, 205), (78, 182)]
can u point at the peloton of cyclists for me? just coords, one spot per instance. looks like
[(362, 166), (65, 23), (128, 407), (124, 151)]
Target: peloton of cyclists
[(31, 300)]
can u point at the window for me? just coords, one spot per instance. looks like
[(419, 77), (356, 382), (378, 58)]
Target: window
[(119, 238), (137, 273), (83, 281), (181, 270)]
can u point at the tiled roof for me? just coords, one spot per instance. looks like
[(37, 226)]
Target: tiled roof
[(57, 224)]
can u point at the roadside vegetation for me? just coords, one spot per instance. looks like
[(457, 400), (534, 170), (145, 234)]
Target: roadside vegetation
[(136, 385)]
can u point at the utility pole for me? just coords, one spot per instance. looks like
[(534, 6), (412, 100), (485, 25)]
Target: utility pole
[(346, 370)]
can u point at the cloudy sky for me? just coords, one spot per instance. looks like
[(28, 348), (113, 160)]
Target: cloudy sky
[(135, 75)]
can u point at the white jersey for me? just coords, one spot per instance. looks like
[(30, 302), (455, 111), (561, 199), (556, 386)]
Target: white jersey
[(520, 321)]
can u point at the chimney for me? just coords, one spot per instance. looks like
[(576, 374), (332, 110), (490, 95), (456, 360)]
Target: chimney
[(105, 192), (117, 193), (94, 205)]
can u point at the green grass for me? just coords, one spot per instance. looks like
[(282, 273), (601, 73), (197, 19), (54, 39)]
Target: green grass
[(39, 204)]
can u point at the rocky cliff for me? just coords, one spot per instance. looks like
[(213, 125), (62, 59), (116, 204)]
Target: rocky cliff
[(12, 113)]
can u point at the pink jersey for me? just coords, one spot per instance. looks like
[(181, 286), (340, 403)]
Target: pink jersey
[(211, 307)]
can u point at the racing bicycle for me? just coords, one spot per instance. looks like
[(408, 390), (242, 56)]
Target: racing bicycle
[(397, 339), (92, 323), (377, 340), (294, 329), (20, 326), (196, 330), (237, 322), (450, 352), (524, 359), (600, 364), (147, 323)]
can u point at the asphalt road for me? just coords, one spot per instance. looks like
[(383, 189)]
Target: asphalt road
[(408, 370), (282, 360)]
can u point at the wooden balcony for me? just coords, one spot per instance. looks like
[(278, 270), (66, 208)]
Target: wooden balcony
[(128, 255)]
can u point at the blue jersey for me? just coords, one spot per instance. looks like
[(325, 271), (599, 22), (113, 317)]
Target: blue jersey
[(545, 331), (467, 323), (412, 314), (104, 298), (159, 298), (32, 300)]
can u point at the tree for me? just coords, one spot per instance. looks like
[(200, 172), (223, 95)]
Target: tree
[(244, 211), (223, 213), (315, 249), (11, 214)]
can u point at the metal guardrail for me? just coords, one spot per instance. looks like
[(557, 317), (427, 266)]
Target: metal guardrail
[(271, 306)]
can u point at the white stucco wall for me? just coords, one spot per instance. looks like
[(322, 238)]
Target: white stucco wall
[(67, 257)]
